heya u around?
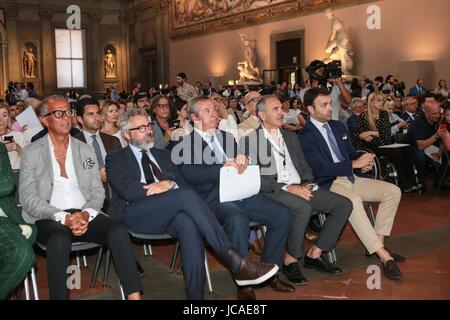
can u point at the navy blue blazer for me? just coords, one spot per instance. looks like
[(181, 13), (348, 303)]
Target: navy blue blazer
[(124, 177), (415, 91), (319, 156), (198, 167)]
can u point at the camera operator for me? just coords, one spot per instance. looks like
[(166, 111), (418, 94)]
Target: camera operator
[(329, 76)]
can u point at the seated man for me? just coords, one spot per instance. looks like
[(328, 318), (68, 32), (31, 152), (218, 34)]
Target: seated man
[(424, 134), (151, 196), (332, 157), (287, 178), (16, 237), (61, 192), (202, 154)]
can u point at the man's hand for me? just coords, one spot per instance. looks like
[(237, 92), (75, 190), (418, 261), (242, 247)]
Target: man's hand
[(168, 133), (158, 187), (241, 162), (102, 172), (442, 133), (77, 222), (300, 191), (403, 124), (365, 160)]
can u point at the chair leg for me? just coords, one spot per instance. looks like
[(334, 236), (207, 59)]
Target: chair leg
[(149, 249), (174, 257), (84, 260), (34, 283), (145, 249), (208, 275), (78, 259), (97, 266), (27, 288), (122, 294), (105, 274), (371, 214)]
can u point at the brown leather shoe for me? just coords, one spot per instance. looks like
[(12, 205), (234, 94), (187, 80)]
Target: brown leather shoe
[(280, 286), (257, 246), (252, 273), (246, 293)]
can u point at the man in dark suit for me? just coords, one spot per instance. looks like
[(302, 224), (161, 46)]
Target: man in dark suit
[(208, 89), (89, 115), (418, 88), (202, 154), (332, 157), (151, 196), (287, 178)]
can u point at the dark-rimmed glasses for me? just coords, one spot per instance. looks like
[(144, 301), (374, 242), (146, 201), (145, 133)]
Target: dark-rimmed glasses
[(58, 114), (144, 127)]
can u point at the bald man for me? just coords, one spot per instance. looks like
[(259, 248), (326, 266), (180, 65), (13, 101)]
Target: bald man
[(252, 122)]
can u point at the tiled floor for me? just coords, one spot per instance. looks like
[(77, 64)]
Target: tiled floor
[(421, 231)]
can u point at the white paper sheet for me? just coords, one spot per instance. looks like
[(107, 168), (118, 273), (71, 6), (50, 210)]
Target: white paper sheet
[(430, 150), (234, 186), (394, 145), (29, 118)]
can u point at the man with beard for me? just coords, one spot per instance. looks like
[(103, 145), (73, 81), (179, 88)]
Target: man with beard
[(150, 196)]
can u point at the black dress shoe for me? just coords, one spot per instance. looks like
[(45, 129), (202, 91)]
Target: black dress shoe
[(293, 274), (139, 268), (246, 293), (391, 271), (322, 265), (280, 286), (397, 257)]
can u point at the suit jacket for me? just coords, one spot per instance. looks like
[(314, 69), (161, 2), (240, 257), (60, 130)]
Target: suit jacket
[(44, 132), (415, 90), (256, 146), (197, 163), (319, 156), (36, 179), (124, 176), (111, 144)]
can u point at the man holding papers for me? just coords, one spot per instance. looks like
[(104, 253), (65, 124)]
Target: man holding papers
[(287, 178), (202, 154)]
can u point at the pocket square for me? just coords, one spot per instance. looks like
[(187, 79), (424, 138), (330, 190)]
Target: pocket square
[(344, 137), (88, 163)]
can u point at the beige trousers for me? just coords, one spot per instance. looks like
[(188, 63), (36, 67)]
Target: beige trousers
[(370, 190)]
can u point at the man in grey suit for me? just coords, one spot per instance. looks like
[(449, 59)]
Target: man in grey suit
[(286, 177), (61, 192)]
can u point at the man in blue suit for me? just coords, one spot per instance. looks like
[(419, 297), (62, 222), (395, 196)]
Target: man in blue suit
[(418, 88), (150, 196), (332, 157), (202, 154)]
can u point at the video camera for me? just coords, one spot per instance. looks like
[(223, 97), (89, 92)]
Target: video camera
[(320, 71)]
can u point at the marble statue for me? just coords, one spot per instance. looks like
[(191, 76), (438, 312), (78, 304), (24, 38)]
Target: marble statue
[(29, 61), (248, 71), (110, 65), (339, 46)]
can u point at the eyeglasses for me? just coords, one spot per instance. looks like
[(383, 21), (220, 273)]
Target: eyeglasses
[(164, 106), (219, 99), (58, 114), (144, 127), (255, 100)]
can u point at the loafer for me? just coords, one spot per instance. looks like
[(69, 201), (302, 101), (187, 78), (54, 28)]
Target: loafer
[(391, 271), (293, 274), (246, 293), (279, 285), (397, 257), (322, 265), (252, 273)]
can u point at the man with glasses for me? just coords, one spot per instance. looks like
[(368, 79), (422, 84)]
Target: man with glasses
[(150, 196), (227, 122), (61, 193)]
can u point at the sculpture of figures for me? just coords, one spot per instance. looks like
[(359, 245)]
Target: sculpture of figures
[(110, 65), (28, 63), (338, 46), (247, 68)]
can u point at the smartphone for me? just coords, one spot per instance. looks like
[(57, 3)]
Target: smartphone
[(8, 139), (176, 124), (442, 127)]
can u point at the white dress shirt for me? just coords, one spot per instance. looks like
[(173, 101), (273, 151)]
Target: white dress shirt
[(137, 153), (66, 192), (207, 137), (323, 132), (278, 150)]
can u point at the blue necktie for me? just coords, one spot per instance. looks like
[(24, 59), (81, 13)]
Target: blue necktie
[(220, 156), (98, 151), (334, 146)]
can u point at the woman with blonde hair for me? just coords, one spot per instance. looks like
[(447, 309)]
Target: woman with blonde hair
[(373, 128), (110, 115)]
